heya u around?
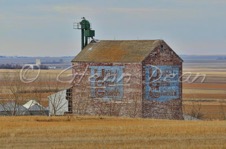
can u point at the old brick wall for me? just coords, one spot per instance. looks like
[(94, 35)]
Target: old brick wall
[(132, 102), (85, 102), (162, 56)]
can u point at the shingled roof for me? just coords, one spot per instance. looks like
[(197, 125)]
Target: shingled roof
[(117, 51)]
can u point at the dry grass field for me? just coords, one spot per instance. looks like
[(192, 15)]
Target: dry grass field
[(105, 132), (44, 85), (207, 97)]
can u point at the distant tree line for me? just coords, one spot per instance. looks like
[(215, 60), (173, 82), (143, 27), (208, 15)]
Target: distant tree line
[(10, 66), (41, 67), (16, 66), (221, 58)]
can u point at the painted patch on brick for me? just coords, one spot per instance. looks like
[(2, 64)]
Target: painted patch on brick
[(106, 82), (162, 83)]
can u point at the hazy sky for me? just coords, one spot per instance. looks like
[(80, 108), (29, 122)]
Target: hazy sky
[(45, 27)]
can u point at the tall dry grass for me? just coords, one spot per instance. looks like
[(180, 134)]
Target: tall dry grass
[(109, 132)]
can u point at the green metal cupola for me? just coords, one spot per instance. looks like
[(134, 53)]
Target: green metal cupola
[(86, 31)]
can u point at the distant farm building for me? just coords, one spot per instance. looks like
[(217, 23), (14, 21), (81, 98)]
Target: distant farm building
[(133, 78), (58, 102), (32, 107), (11, 108), (38, 62)]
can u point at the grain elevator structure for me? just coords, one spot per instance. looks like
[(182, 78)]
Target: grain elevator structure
[(131, 78)]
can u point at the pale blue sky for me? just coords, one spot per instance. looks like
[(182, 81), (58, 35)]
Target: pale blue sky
[(44, 27)]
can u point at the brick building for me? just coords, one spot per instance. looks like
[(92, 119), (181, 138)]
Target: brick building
[(132, 78)]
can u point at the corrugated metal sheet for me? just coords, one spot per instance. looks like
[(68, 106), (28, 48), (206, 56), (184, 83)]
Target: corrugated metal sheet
[(117, 51)]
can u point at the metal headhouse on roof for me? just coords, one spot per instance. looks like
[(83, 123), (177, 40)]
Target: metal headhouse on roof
[(86, 31)]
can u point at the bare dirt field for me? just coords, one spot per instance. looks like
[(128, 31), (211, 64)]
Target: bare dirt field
[(105, 132)]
